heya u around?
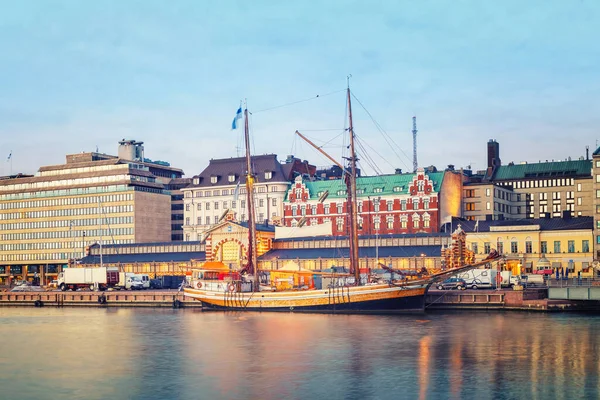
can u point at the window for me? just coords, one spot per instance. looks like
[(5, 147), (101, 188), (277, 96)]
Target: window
[(377, 223), (207, 220), (470, 206), (544, 247), (528, 247), (426, 204), (426, 221), (326, 209), (390, 222), (403, 205), (303, 210), (187, 207), (187, 220), (268, 174), (261, 202), (199, 221), (416, 221), (376, 205), (378, 190), (199, 206), (585, 246), (579, 184), (216, 219), (390, 205), (213, 179), (340, 224), (514, 247), (216, 205), (340, 208), (486, 248), (294, 210), (500, 247), (404, 222), (207, 206), (487, 193), (231, 178), (474, 247), (470, 193), (557, 246), (243, 203), (487, 205), (571, 246), (313, 210), (274, 202)]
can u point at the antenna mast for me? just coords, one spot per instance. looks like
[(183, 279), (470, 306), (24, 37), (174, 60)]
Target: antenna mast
[(414, 132)]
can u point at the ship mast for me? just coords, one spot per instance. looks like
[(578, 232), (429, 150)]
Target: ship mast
[(350, 179), (252, 266)]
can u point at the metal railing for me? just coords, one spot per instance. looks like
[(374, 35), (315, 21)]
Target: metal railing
[(573, 282)]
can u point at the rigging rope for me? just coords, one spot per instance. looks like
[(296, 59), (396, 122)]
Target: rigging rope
[(385, 135), (299, 101)]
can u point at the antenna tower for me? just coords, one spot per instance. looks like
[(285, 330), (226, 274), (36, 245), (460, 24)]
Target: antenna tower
[(414, 132)]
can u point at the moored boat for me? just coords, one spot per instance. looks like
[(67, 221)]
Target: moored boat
[(219, 288)]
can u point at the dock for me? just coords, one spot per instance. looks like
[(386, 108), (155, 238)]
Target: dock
[(142, 298), (532, 299)]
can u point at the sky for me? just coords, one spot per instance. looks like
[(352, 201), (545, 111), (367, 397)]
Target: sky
[(80, 75)]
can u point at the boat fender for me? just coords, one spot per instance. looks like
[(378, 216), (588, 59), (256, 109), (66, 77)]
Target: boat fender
[(176, 304), (231, 287), (38, 303), (199, 285)]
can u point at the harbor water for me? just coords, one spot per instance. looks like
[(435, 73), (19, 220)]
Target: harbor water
[(50, 353)]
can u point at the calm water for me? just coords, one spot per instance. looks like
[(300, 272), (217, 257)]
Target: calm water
[(186, 354)]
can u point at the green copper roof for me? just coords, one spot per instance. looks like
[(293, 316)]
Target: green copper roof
[(371, 185), (544, 169), (597, 151)]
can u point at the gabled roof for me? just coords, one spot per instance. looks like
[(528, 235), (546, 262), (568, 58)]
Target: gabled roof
[(144, 257), (366, 185), (545, 224), (222, 168), (554, 169)]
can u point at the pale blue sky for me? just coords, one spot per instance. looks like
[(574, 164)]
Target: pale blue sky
[(76, 74)]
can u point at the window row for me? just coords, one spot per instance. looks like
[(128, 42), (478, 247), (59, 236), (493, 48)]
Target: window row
[(66, 223), (67, 212), (67, 201)]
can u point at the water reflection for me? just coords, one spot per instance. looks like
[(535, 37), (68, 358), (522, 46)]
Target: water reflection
[(186, 354)]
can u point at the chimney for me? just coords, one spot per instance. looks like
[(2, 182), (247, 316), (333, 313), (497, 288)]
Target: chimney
[(398, 171), (493, 154), (587, 152)]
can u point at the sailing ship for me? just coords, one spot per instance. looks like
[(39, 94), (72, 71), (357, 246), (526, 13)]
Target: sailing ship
[(219, 288)]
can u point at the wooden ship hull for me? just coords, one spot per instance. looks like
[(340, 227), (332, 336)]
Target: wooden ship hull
[(370, 299)]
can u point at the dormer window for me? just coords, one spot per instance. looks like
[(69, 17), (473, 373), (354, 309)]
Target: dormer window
[(196, 180), (231, 178), (213, 179), (268, 174), (378, 190)]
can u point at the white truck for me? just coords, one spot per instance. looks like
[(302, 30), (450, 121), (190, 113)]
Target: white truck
[(508, 279), (131, 281), (93, 278), (479, 278)]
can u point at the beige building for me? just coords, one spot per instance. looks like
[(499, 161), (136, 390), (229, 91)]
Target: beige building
[(533, 244), (551, 189), (51, 217), (596, 202)]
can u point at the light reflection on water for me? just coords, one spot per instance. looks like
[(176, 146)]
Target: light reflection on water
[(186, 354)]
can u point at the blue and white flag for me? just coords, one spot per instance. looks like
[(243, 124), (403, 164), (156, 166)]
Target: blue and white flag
[(236, 192), (238, 115), (9, 156)]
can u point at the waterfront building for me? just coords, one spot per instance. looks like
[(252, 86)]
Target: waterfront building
[(387, 204), (528, 190), (530, 244), (49, 218), (221, 187), (154, 259), (596, 201)]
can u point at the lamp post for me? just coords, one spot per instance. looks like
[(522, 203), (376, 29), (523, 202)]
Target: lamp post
[(73, 236), (83, 245)]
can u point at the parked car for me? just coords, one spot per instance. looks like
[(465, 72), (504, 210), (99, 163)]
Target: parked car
[(155, 284), (452, 283)]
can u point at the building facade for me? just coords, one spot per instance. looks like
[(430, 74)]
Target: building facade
[(529, 244), (50, 218), (529, 190), (221, 187), (387, 204)]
